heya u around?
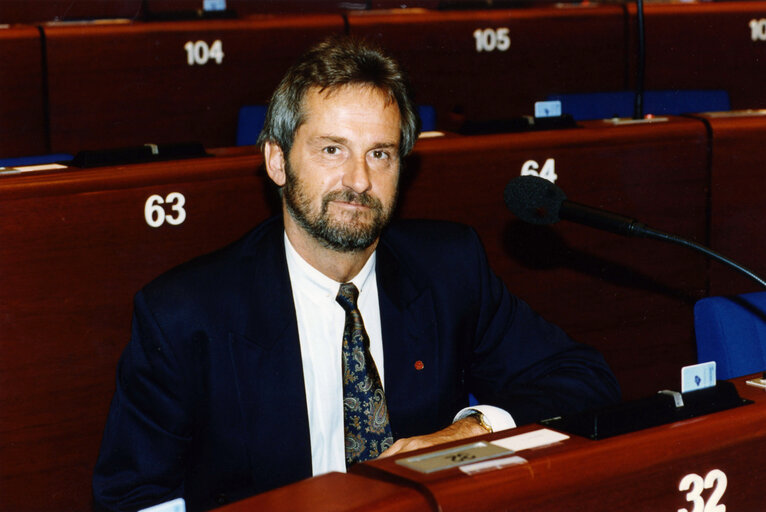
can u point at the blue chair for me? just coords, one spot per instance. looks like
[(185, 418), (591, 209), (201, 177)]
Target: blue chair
[(251, 118), (605, 105), (427, 118), (250, 123), (732, 332), (21, 161)]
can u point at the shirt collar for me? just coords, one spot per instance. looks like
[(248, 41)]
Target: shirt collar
[(306, 278)]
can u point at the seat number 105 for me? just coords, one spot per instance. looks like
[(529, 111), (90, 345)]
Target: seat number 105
[(492, 39)]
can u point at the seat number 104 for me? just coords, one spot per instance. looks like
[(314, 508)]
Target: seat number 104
[(200, 53)]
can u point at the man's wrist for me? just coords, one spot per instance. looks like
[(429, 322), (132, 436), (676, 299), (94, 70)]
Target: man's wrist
[(496, 418), (479, 417)]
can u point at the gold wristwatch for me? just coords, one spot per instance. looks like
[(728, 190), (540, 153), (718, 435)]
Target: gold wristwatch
[(482, 421)]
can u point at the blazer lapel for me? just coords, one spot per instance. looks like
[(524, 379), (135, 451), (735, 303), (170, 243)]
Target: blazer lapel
[(410, 347), (267, 359)]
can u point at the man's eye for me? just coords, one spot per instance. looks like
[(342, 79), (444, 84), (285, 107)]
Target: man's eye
[(377, 154), (331, 150)]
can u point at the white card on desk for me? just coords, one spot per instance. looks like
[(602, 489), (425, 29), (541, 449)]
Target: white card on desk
[(533, 439), (176, 505), (452, 457), (547, 108), (697, 376)]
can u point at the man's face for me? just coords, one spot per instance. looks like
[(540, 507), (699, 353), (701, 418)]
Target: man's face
[(342, 172)]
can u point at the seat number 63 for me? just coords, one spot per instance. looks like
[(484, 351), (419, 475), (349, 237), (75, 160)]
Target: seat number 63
[(155, 214)]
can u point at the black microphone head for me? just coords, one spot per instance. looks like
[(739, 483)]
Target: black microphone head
[(534, 199)]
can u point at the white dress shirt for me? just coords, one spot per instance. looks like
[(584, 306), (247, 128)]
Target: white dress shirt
[(320, 329)]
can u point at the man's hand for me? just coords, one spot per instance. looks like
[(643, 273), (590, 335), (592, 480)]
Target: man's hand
[(461, 429)]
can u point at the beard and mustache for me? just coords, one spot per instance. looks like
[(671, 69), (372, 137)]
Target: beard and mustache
[(350, 235)]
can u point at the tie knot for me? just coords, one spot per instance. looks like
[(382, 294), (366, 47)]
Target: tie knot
[(347, 295)]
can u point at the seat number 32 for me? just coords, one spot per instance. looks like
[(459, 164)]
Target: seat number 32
[(695, 484), (154, 211)]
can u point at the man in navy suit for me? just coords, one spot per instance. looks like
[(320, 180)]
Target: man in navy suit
[(232, 381)]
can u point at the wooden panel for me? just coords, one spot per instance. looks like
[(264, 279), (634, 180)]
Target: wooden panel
[(22, 124), (737, 205), (247, 7), (336, 492), (73, 261), (26, 11), (76, 248), (704, 46), (552, 50), (642, 470), (419, 4), (130, 84), (630, 298)]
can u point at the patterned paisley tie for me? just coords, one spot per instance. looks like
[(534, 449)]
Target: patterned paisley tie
[(365, 416)]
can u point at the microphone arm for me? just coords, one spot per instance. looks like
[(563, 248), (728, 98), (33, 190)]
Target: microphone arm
[(538, 201), (667, 237), (638, 102), (621, 225), (600, 219)]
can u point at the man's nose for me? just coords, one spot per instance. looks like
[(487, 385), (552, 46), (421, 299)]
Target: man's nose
[(357, 176)]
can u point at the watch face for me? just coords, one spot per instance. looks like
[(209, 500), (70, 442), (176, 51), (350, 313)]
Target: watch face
[(482, 421)]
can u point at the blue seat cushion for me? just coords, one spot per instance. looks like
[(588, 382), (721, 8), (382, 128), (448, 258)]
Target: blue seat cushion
[(732, 332)]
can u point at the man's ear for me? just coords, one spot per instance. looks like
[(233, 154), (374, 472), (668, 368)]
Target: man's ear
[(274, 159)]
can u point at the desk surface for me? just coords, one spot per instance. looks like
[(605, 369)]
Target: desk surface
[(715, 457)]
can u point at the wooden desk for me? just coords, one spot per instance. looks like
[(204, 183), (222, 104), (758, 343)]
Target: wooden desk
[(494, 64), (737, 205), (24, 11), (630, 298), (76, 246), (135, 83), (721, 452), (337, 492), (22, 122), (247, 7), (705, 45)]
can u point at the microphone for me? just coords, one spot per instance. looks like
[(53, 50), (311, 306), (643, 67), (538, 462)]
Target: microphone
[(538, 201)]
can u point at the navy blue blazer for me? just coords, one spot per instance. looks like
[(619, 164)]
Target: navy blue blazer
[(210, 402)]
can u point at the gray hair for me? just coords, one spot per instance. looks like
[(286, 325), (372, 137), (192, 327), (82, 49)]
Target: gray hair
[(333, 63)]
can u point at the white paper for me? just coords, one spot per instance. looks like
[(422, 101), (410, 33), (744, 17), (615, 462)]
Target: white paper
[(30, 168), (491, 465), (532, 439)]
